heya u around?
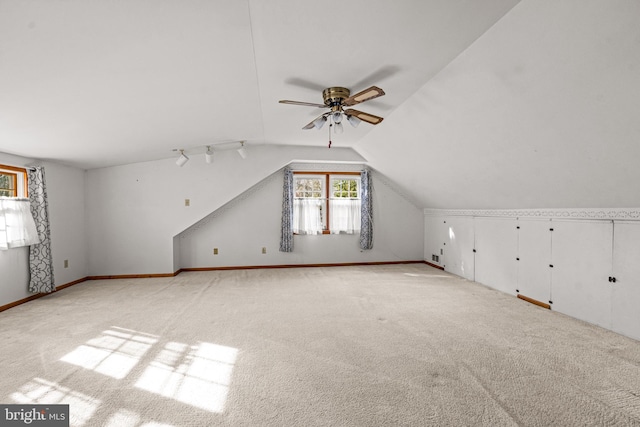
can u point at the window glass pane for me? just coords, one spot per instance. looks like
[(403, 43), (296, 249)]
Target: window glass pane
[(6, 193), (308, 188), (6, 181)]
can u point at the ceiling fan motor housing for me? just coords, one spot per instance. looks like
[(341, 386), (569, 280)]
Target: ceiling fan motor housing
[(333, 96)]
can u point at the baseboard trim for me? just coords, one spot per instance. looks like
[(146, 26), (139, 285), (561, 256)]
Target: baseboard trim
[(133, 276), (257, 267), (534, 301), (39, 295), (439, 267)]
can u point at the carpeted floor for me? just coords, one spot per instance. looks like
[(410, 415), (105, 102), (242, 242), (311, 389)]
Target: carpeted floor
[(337, 346)]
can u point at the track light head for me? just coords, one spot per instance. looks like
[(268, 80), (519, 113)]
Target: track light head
[(208, 156), (182, 160), (242, 151)]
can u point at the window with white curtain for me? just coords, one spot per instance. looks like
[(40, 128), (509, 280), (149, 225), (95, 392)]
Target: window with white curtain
[(17, 227), (326, 203)]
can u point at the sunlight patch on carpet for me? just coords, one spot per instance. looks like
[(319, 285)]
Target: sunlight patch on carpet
[(114, 353), (41, 391), (197, 375)]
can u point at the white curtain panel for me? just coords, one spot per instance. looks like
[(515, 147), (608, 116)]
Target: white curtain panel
[(17, 227), (345, 216), (307, 218)]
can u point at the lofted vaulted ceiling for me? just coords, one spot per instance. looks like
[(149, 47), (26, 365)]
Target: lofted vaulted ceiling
[(489, 104), (100, 83)]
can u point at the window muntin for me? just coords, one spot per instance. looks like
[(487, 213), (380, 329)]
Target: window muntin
[(326, 203)]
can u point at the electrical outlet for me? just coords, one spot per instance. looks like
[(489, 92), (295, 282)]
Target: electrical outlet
[(215, 251), (187, 202), (66, 263), (264, 249)]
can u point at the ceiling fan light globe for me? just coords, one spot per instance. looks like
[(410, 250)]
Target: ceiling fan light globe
[(337, 118), (338, 128), (319, 122), (354, 121)]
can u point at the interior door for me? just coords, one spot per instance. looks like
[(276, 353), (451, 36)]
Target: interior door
[(534, 259), (581, 258), (495, 257), (625, 291), (459, 248)]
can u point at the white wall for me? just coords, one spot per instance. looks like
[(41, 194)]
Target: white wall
[(65, 189), (561, 257), (541, 111), (243, 227), (134, 211)]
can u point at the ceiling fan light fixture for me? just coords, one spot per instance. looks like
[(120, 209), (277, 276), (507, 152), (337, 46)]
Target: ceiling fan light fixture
[(337, 117), (338, 128), (208, 155), (354, 121), (319, 122), (182, 160)]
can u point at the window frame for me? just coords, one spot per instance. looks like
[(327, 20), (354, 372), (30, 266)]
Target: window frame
[(20, 180), (327, 190)]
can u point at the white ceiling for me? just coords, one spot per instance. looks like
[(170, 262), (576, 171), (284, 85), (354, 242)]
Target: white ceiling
[(489, 104), (102, 82)]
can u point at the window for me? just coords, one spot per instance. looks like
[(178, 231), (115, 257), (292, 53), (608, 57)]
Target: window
[(8, 184), (326, 203), (17, 227), (13, 181)]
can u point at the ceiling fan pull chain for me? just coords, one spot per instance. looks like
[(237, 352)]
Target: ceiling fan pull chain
[(330, 126)]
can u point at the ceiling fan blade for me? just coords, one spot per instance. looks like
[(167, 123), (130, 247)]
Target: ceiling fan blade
[(365, 95), (306, 104), (365, 117)]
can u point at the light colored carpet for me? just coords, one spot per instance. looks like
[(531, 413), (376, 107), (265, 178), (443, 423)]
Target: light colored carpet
[(340, 346)]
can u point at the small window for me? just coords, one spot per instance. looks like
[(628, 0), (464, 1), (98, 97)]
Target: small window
[(326, 203), (8, 184), (13, 181)]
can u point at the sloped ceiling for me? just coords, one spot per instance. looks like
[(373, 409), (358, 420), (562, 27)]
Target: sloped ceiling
[(492, 104), (99, 83), (543, 111)]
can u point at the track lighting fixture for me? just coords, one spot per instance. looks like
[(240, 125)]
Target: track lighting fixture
[(182, 160), (242, 151), (208, 155)]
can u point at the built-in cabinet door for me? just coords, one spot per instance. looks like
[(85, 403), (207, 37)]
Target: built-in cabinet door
[(495, 257), (625, 291), (458, 252), (534, 259), (581, 258)]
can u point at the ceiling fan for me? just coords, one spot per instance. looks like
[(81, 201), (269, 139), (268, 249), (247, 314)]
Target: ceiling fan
[(336, 98)]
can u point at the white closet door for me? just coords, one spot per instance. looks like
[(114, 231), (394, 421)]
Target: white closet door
[(625, 291), (459, 257), (534, 253), (496, 248), (581, 258)]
